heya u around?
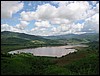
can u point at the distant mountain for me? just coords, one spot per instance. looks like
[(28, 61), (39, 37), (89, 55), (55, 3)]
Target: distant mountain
[(87, 36), (60, 36), (21, 38), (13, 40), (7, 34), (8, 37)]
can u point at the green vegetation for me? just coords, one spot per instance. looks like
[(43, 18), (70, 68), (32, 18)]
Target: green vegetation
[(85, 36), (12, 41), (83, 62), (23, 64), (85, 66), (75, 38)]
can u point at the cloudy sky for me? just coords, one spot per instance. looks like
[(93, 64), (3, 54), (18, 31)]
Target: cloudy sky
[(50, 17)]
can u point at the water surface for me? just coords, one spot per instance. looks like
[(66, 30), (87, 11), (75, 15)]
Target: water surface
[(57, 51)]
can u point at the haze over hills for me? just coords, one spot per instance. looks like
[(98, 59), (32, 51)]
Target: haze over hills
[(21, 38), (8, 34), (88, 36), (8, 37), (20, 35)]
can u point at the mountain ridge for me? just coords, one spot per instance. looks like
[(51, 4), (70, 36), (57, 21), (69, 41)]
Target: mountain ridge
[(20, 35), (6, 34), (69, 36)]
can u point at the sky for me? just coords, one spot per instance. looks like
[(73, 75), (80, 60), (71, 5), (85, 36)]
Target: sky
[(46, 18)]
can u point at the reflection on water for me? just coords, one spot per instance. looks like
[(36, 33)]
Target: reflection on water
[(57, 51)]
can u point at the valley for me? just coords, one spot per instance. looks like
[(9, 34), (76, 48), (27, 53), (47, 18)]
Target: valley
[(76, 63), (13, 41)]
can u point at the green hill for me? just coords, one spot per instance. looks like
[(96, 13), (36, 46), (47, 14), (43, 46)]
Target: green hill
[(14, 37), (86, 37), (13, 40), (7, 34)]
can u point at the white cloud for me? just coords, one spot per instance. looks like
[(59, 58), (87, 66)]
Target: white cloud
[(18, 28), (47, 16), (97, 8), (22, 25), (28, 16), (53, 29), (64, 29), (46, 11), (91, 11), (72, 11), (41, 28), (30, 4), (60, 29), (62, 3), (59, 21), (42, 24), (94, 2), (76, 27), (39, 31), (10, 7), (43, 12), (6, 27), (92, 24)]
